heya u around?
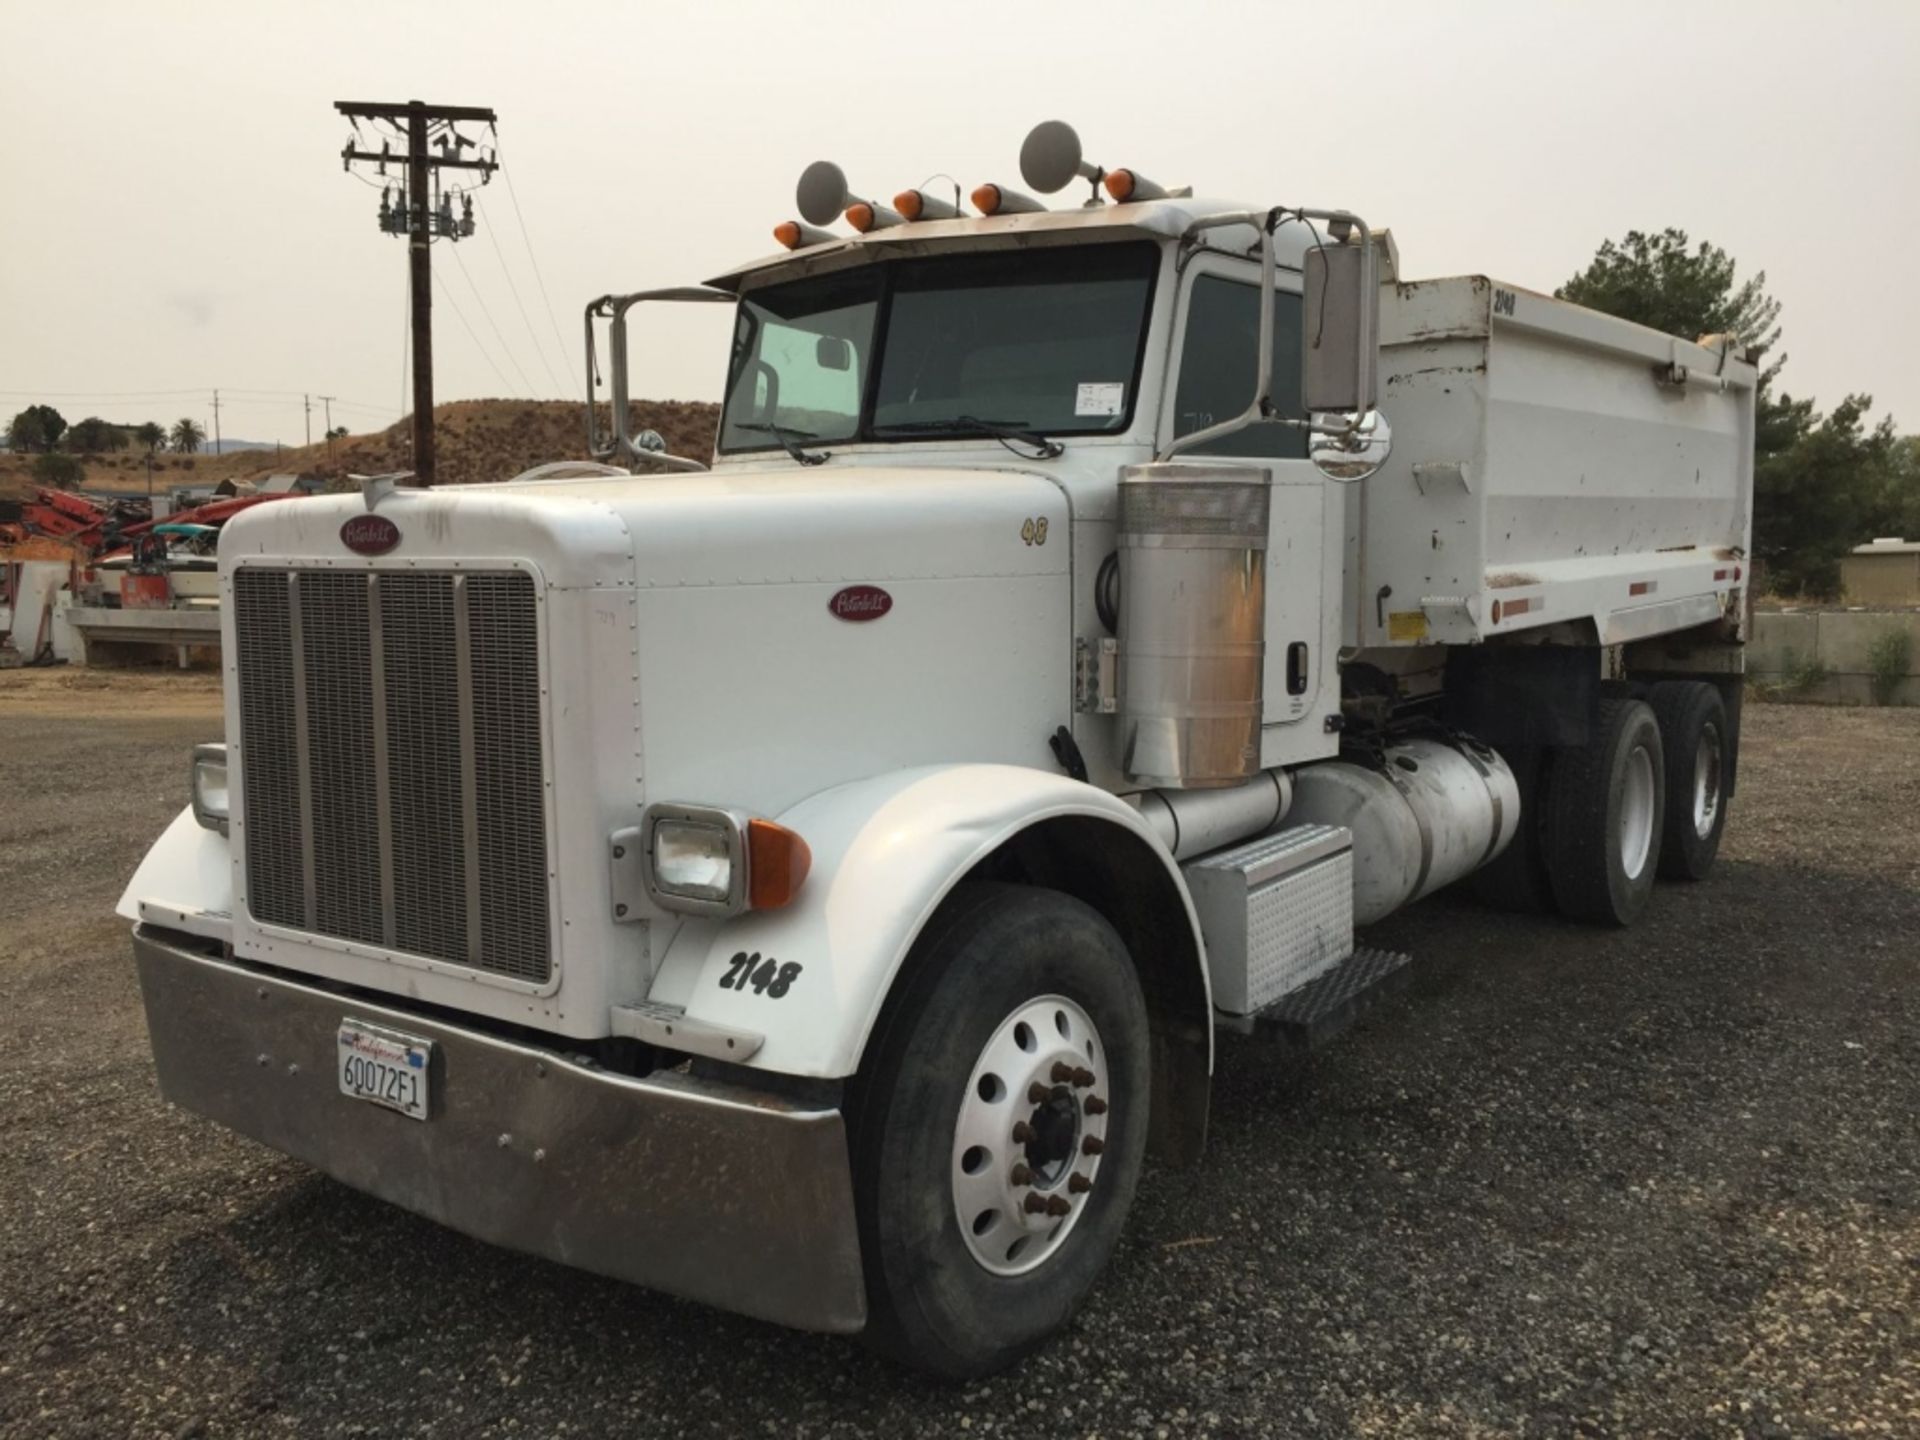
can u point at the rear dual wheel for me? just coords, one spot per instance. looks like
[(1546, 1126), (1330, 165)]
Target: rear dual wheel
[(1697, 739), (1606, 816), (997, 1128)]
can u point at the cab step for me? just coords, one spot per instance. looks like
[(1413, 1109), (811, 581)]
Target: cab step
[(1307, 1018)]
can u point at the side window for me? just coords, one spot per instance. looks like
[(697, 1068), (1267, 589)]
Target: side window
[(1217, 368)]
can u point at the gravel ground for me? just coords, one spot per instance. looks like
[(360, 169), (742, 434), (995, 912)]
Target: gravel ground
[(1568, 1183)]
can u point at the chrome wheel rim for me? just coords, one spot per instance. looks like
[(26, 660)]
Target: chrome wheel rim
[(1706, 783), (1029, 1137), (1636, 812)]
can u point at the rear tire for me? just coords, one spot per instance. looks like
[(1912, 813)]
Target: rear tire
[(1605, 816), (1516, 879), (1007, 983), (1695, 734)]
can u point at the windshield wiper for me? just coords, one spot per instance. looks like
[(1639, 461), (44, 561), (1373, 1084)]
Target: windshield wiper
[(1001, 430), (790, 441)]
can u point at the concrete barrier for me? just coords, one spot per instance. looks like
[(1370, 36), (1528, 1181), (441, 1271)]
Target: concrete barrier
[(1823, 657)]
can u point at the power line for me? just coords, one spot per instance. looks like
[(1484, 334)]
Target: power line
[(462, 316), (526, 386), (566, 353), (514, 290)]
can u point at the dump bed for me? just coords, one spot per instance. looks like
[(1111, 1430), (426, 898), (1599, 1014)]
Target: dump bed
[(1550, 466)]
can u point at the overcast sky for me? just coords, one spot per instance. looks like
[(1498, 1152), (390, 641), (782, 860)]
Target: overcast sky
[(176, 216)]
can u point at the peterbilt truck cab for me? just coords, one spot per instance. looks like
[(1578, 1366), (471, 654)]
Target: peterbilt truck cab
[(809, 877)]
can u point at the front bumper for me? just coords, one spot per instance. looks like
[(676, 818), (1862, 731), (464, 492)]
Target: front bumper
[(704, 1190)]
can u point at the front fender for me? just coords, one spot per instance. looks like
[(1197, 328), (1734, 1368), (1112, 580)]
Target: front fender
[(886, 851), (185, 881)]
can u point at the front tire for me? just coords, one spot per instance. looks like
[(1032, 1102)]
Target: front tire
[(1016, 1034), (1605, 816)]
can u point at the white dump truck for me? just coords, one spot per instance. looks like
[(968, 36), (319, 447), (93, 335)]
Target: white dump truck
[(810, 877)]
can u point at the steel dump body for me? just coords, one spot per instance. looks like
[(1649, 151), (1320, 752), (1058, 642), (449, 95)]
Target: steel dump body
[(1558, 464)]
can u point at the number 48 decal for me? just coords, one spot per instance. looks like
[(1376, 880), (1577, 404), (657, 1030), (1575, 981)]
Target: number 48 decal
[(767, 977)]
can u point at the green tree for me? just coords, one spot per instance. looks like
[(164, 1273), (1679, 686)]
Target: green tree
[(91, 434), (38, 427), (152, 435), (1666, 282), (1823, 495), (187, 436), (62, 472)]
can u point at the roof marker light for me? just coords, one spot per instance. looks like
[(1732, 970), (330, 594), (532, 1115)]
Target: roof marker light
[(795, 235), (864, 215), (999, 200), (919, 205), (1125, 185)]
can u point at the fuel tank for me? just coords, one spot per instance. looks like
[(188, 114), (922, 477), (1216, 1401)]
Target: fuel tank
[(1431, 813)]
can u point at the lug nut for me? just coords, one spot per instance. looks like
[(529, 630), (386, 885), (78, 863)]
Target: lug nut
[(1096, 1106), (1062, 1072), (1038, 1094), (1058, 1205), (1022, 1132), (1092, 1145), (1022, 1175), (1082, 1079), (1036, 1204), (1078, 1183)]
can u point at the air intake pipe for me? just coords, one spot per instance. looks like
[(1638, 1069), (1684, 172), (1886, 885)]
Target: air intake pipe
[(1196, 822)]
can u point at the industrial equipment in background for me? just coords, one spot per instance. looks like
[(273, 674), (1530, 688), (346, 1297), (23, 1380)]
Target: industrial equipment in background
[(810, 876)]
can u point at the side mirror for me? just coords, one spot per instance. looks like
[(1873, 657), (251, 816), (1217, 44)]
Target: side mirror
[(830, 352), (1350, 447), (1340, 330)]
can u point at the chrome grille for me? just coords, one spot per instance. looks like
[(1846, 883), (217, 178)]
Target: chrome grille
[(390, 756)]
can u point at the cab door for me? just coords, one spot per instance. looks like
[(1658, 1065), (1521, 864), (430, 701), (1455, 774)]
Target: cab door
[(1217, 327)]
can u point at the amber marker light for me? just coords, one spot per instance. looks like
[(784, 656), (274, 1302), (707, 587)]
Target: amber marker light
[(777, 864), (999, 200), (1125, 185), (793, 234), (909, 203)]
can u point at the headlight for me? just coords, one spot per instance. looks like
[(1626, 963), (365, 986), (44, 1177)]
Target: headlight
[(210, 786), (706, 861), (695, 859)]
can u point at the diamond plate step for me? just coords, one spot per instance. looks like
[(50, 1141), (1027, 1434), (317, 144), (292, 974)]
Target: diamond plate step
[(1309, 1017)]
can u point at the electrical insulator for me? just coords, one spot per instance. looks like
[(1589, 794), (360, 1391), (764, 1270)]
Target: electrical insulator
[(466, 217)]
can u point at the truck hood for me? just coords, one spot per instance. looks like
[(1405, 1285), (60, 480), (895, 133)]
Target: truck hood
[(733, 527)]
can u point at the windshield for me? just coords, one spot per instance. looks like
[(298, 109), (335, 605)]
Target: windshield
[(1045, 340)]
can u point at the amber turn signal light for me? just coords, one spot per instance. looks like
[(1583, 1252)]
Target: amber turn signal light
[(777, 864)]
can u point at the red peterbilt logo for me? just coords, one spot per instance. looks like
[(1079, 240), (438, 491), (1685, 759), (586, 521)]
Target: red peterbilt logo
[(860, 602), (369, 535)]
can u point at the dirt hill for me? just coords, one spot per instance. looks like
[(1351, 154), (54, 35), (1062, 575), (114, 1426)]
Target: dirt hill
[(476, 440)]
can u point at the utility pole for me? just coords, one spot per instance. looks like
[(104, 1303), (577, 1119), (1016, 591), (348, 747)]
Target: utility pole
[(216, 422), (326, 400), (420, 220), (307, 402)]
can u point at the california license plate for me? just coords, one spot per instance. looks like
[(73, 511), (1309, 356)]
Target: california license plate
[(386, 1067)]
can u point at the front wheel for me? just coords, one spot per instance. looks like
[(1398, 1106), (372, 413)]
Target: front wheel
[(997, 1128)]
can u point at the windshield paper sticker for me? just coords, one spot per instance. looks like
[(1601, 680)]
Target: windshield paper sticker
[(1100, 399)]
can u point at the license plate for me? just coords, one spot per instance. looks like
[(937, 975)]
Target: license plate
[(385, 1067)]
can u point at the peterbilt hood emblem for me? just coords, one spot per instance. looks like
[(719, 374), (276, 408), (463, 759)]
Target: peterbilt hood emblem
[(370, 534), (860, 602)]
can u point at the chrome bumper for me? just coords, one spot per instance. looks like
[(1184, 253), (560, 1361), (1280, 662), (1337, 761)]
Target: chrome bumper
[(708, 1191)]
